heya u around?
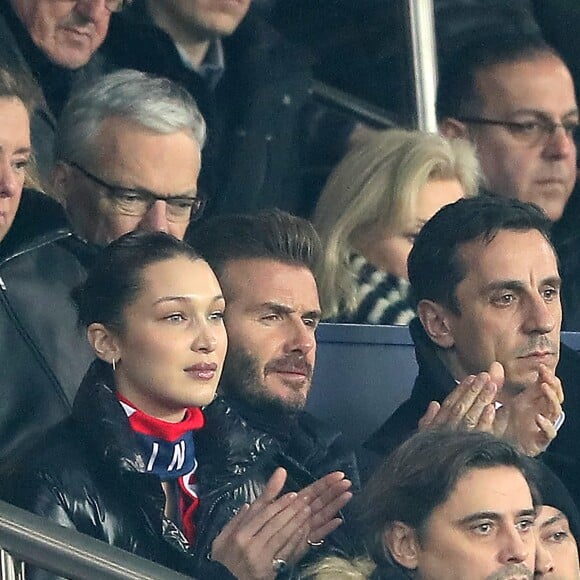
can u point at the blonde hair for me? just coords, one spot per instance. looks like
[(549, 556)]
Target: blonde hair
[(377, 183), (333, 567)]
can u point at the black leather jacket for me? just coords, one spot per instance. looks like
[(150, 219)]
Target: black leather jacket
[(44, 354), (238, 450), (86, 474)]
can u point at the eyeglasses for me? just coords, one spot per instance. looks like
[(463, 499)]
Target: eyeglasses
[(137, 202), (530, 132), (116, 5)]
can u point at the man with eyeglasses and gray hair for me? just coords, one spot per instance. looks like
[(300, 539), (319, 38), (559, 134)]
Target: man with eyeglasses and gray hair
[(128, 152), (53, 46), (128, 158)]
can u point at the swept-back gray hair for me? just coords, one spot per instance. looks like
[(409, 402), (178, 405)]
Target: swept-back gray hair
[(154, 102)]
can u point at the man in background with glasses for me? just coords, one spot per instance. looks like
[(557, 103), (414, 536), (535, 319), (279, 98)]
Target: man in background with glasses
[(513, 97), (51, 45), (128, 154)]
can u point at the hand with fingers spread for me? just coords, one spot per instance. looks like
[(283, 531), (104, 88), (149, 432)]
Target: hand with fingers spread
[(528, 418), (327, 496), (469, 406), (269, 533)]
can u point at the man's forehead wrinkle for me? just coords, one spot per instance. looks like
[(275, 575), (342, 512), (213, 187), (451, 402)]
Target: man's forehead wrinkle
[(541, 113), (476, 251), (516, 284), (495, 82)]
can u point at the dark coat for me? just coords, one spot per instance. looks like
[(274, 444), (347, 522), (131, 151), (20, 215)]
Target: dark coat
[(44, 354), (434, 383), (86, 474), (256, 120), (42, 82), (239, 449)]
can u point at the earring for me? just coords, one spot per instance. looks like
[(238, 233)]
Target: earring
[(114, 365)]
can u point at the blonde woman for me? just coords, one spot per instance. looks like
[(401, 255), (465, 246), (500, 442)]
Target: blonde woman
[(370, 211)]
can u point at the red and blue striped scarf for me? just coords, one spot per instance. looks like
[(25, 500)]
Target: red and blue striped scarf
[(169, 452)]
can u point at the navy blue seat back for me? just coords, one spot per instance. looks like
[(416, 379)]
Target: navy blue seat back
[(363, 373)]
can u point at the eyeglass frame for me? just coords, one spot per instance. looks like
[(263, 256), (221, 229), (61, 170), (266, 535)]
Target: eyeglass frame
[(121, 5), (548, 127), (111, 193)]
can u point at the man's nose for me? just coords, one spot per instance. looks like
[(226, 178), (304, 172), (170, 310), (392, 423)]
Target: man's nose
[(155, 220), (92, 10), (514, 549), (301, 337), (540, 317), (559, 144), (544, 562)]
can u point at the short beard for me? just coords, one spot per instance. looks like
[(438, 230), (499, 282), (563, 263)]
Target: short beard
[(241, 379)]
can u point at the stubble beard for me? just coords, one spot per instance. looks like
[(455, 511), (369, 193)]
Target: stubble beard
[(242, 378)]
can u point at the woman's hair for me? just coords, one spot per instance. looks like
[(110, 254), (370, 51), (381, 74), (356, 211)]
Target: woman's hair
[(14, 85), (116, 277), (377, 183), (332, 567)]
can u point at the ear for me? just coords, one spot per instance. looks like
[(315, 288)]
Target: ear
[(59, 180), (435, 320), (104, 342), (453, 129), (401, 541)]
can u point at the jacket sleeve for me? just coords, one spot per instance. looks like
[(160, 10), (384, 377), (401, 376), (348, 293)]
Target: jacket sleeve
[(216, 510), (39, 494)]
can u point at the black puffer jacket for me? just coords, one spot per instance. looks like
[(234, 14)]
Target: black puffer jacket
[(85, 474), (44, 354), (239, 449)]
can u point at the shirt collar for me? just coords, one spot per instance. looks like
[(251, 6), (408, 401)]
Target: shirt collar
[(213, 65)]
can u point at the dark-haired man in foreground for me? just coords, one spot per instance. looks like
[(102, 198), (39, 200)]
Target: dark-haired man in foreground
[(445, 506)]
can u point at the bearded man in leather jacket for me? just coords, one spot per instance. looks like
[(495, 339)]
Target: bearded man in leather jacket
[(264, 263)]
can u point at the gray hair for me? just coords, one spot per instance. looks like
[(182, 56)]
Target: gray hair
[(154, 102)]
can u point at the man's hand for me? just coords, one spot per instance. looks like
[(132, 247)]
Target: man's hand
[(280, 528), (326, 497), (266, 530), (528, 418), (469, 406)]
